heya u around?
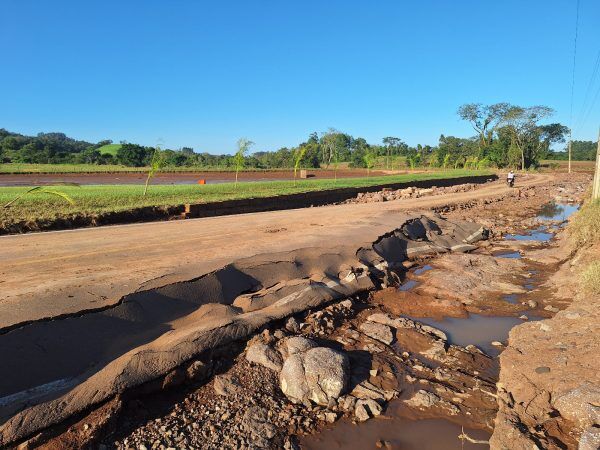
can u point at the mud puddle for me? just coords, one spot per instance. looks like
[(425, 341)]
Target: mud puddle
[(540, 234), (476, 330), (395, 433), (507, 254), (553, 216), (554, 211)]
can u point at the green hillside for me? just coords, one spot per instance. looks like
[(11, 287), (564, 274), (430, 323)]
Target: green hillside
[(109, 149)]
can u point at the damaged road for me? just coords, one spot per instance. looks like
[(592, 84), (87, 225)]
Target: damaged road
[(375, 316), (89, 358)]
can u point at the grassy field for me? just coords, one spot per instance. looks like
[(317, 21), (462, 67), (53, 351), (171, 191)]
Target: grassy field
[(110, 149), (109, 198)]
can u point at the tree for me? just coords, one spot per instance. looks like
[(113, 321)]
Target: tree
[(243, 147), (484, 119), (329, 146), (527, 136), (370, 158), (390, 144), (132, 155)]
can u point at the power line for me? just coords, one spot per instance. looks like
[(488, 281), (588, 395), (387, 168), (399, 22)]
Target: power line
[(573, 82), (574, 62), (591, 107), (579, 122)]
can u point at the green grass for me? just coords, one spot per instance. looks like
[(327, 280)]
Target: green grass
[(110, 149), (107, 198)]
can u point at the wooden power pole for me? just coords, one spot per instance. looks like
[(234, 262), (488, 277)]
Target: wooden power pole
[(596, 186), (569, 155)]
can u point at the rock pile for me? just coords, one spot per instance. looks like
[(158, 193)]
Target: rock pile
[(387, 195)]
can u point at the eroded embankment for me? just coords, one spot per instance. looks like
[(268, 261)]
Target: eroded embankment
[(549, 388), (53, 370)]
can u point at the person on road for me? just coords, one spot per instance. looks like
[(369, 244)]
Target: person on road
[(510, 178)]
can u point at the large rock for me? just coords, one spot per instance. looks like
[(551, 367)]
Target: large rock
[(423, 399), (377, 331), (264, 355), (319, 374), (365, 409), (580, 405), (298, 344)]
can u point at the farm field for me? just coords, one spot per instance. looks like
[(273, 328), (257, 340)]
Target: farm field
[(562, 166), (170, 178), (114, 198)]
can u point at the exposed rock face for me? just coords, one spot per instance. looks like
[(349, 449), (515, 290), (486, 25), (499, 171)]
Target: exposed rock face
[(318, 374), (264, 355)]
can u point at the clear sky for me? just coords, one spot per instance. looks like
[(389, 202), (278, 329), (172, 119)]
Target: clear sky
[(203, 74)]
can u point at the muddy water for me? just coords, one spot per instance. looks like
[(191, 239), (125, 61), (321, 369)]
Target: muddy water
[(540, 234), (402, 434), (507, 254), (477, 330)]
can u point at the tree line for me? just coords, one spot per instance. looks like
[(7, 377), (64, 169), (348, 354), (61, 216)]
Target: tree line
[(505, 136)]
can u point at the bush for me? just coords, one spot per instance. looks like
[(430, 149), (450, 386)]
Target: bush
[(590, 278), (585, 226)]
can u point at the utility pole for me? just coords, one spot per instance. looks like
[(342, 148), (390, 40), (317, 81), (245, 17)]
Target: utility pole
[(596, 186), (570, 154)]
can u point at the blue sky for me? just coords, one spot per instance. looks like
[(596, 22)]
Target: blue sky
[(203, 74)]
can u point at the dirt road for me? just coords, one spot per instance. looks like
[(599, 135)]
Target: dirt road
[(51, 274)]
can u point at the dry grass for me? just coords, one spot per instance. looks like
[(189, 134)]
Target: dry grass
[(585, 226), (590, 278)]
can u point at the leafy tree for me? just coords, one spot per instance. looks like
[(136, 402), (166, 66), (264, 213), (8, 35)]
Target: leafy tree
[(370, 158), (243, 146), (484, 119), (390, 143), (132, 155), (526, 133)]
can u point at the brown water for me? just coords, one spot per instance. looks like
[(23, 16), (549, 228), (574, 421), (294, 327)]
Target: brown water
[(476, 329), (479, 330), (402, 434)]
